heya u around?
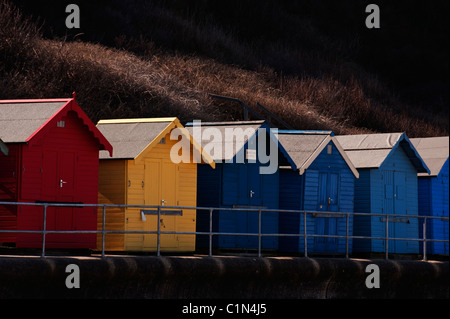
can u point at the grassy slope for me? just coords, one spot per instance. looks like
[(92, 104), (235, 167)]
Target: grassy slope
[(163, 59)]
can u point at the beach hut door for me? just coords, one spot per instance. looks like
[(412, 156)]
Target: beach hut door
[(394, 203), (59, 186), (160, 189), (328, 201)]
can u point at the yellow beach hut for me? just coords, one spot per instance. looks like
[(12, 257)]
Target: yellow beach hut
[(141, 172)]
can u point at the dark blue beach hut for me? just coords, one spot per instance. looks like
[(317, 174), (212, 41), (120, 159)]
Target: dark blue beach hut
[(322, 180), (434, 191), (388, 165), (236, 182)]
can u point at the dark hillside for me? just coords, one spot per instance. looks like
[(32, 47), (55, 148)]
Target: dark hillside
[(314, 63)]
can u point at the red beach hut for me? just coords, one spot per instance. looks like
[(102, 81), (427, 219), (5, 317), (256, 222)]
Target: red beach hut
[(53, 157)]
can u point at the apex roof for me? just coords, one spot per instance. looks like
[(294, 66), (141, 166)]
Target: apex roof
[(434, 151), (234, 135), (132, 138), (371, 150), (304, 146), (22, 120)]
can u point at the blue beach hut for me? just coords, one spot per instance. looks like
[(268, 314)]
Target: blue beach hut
[(388, 165), (236, 182), (322, 179), (434, 190)]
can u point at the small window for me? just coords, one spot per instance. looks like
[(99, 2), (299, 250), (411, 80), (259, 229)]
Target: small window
[(61, 123), (329, 149)]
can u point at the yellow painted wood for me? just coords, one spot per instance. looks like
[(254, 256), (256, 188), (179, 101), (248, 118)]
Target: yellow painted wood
[(111, 190), (148, 181)]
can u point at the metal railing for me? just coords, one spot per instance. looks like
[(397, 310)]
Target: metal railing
[(386, 218)]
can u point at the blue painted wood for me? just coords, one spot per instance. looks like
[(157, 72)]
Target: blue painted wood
[(327, 177), (389, 189), (208, 195), (433, 201), (362, 223), (291, 193), (236, 185)]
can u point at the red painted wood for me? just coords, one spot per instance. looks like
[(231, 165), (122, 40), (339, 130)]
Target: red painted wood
[(9, 178), (58, 164)]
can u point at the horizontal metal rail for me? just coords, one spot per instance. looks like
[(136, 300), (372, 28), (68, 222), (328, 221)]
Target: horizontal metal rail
[(388, 218)]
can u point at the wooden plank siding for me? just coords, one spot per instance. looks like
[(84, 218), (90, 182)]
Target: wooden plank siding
[(142, 182), (229, 186), (37, 176), (371, 195), (362, 224), (208, 195), (112, 190), (9, 179), (302, 192), (434, 201), (291, 194)]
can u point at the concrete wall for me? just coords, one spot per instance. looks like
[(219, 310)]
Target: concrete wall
[(219, 277)]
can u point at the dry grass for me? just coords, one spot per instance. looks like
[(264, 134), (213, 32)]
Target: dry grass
[(113, 83)]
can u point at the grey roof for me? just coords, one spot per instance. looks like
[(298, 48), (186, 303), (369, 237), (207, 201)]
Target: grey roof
[(303, 147), (233, 136), (434, 151), (19, 120), (370, 150), (129, 138)]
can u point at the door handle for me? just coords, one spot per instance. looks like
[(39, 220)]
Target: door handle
[(61, 182), (163, 202), (252, 193)]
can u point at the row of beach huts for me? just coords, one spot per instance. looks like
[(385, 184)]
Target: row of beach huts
[(51, 152)]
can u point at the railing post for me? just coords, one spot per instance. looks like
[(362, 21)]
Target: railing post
[(158, 235), (210, 231), (386, 244), (424, 239), (103, 231), (44, 227), (304, 234), (347, 234), (259, 233)]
